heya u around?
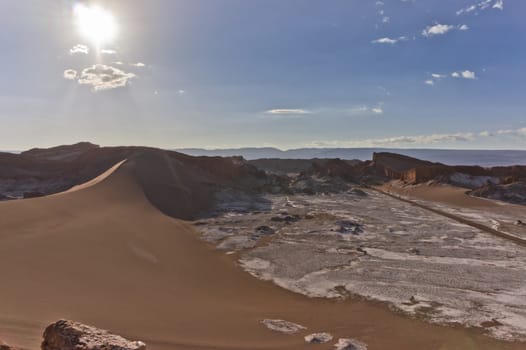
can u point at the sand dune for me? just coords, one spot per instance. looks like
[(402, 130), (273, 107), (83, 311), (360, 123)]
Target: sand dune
[(104, 255)]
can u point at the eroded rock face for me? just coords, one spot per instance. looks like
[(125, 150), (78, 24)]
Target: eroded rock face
[(70, 335)]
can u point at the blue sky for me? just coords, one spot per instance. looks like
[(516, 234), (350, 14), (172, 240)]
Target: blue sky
[(284, 73)]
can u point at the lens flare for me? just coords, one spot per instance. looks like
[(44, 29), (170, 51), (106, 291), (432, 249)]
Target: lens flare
[(95, 24)]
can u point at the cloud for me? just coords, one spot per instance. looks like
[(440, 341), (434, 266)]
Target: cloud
[(400, 140), (79, 48), (70, 74), (438, 76), (429, 82), (287, 111), (515, 132), (388, 40), (482, 5), (464, 74), (181, 92), (138, 64), (485, 133), (102, 77), (361, 110), (437, 29), (499, 4), (463, 27), (108, 52)]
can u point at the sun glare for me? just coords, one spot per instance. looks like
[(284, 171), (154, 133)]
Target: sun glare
[(96, 24)]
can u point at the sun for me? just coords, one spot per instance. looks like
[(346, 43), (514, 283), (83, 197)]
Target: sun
[(95, 24)]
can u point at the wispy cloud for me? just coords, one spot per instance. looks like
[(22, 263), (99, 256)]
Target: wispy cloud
[(400, 140), (361, 110), (288, 111), (138, 64), (102, 77), (387, 40), (464, 74), (499, 4), (79, 48), (514, 132), (481, 6), (108, 52), (422, 140), (429, 82)]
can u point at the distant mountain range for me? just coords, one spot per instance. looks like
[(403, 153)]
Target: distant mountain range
[(452, 157)]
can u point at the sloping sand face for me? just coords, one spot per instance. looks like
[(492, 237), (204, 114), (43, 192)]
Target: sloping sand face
[(105, 256)]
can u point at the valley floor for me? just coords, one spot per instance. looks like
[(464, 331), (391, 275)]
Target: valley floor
[(366, 244)]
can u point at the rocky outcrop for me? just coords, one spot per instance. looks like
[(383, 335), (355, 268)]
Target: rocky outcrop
[(512, 193), (318, 338), (70, 335), (282, 326), (4, 346), (65, 152), (349, 344)]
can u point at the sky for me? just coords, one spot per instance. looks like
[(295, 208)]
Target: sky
[(280, 73)]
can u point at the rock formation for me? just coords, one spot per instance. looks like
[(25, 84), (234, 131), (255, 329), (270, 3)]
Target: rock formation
[(318, 338), (70, 335), (282, 326)]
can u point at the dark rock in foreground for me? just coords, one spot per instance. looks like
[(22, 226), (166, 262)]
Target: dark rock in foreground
[(69, 335), (4, 346)]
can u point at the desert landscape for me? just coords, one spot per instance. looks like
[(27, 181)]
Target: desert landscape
[(185, 252), (262, 175)]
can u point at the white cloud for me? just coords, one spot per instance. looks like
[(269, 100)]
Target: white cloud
[(108, 52), (288, 111), (377, 110), (102, 77), (429, 82), (438, 76), (482, 5), (70, 74), (485, 134), (388, 40), (181, 92), (138, 64), (118, 63), (400, 140), (499, 4), (463, 27), (514, 132), (437, 29), (79, 48), (464, 74), (386, 19)]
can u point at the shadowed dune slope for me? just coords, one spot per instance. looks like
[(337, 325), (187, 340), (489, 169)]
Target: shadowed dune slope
[(104, 255)]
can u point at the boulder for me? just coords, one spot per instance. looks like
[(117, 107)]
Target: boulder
[(70, 335), (282, 326), (4, 346), (318, 338), (349, 344)]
